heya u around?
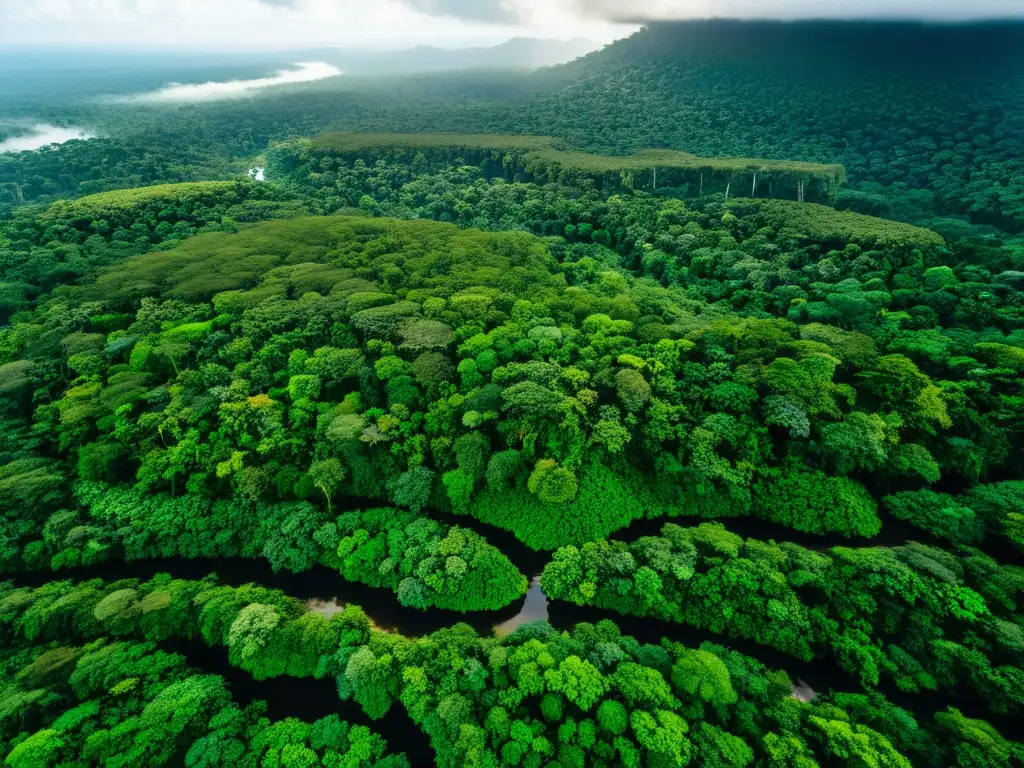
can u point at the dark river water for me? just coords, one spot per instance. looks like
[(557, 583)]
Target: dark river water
[(321, 588), (307, 699), (325, 591)]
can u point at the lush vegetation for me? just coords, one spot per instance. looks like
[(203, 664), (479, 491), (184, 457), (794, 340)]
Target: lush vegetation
[(487, 326), (219, 395), (536, 697), (538, 158), (127, 703), (43, 247), (404, 360), (429, 564), (919, 616)]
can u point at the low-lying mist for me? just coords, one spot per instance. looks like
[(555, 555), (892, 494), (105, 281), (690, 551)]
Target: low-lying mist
[(305, 72), (41, 135)]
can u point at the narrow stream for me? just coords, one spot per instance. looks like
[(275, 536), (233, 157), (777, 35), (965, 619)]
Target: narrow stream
[(535, 608), (305, 698), (820, 675), (322, 589)]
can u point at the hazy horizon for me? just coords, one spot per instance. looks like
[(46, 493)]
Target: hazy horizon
[(280, 25), (179, 52)]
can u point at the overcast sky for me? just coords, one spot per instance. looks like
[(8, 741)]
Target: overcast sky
[(270, 24)]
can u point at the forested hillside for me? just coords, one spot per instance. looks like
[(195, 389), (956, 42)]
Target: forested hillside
[(288, 466), (903, 107), (925, 119)]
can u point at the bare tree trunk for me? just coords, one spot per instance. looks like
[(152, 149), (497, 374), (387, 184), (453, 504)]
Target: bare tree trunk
[(701, 193), (753, 187), (655, 178), (727, 186)]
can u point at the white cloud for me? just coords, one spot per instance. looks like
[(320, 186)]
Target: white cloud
[(303, 72), (258, 24), (41, 135)]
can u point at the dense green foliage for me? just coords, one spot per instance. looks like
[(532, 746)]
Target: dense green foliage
[(510, 329), (203, 399), (538, 158), (267, 633), (427, 563), (494, 372), (130, 704), (918, 616), (925, 119), (605, 501), (536, 697), (42, 247), (121, 522), (446, 181)]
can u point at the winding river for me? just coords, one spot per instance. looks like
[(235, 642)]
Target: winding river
[(305, 698), (326, 592)]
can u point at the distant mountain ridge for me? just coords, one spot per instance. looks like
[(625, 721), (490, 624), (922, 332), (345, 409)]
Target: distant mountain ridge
[(517, 53), (32, 78)]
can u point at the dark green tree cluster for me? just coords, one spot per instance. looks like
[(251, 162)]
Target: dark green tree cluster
[(919, 616), (427, 563), (266, 633), (925, 119), (124, 523), (128, 703), (85, 167), (43, 247), (535, 698)]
